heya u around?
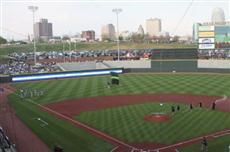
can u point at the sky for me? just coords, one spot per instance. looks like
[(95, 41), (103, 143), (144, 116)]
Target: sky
[(72, 16)]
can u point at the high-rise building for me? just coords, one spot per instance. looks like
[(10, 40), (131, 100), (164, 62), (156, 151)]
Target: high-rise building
[(88, 35), (153, 27), (218, 16), (43, 30), (140, 30), (108, 32)]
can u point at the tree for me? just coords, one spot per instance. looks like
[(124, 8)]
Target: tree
[(2, 40), (137, 38), (65, 37), (175, 38), (121, 38)]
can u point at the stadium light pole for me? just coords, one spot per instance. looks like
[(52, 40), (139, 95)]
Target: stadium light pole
[(117, 11), (33, 9)]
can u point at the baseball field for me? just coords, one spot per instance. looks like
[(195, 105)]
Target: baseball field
[(86, 115)]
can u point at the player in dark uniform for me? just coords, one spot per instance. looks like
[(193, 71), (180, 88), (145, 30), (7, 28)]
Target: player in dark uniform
[(173, 108), (213, 106), (204, 145), (178, 107), (200, 104)]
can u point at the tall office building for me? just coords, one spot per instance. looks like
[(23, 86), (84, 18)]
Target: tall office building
[(43, 30), (88, 35), (218, 15), (153, 27), (140, 30), (108, 32)]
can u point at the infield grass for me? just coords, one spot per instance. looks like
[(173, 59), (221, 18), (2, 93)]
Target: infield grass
[(127, 123)]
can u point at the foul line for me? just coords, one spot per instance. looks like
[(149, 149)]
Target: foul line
[(114, 149), (222, 99), (85, 127), (222, 133)]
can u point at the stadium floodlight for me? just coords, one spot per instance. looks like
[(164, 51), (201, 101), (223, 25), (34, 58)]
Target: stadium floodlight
[(33, 9), (117, 11)]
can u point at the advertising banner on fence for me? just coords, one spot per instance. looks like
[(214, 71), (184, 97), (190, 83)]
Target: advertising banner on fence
[(206, 40), (206, 46), (206, 28), (206, 34)]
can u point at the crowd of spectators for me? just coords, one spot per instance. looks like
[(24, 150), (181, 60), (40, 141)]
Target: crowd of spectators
[(22, 62), (5, 144), (16, 67), (80, 54), (124, 54), (214, 54)]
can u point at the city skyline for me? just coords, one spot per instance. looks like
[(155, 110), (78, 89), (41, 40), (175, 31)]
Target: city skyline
[(73, 17)]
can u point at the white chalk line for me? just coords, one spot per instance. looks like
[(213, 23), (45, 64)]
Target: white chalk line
[(129, 146), (114, 149), (222, 99), (195, 139), (77, 122), (221, 135)]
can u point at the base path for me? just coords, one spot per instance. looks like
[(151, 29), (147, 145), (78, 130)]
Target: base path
[(18, 133), (69, 109)]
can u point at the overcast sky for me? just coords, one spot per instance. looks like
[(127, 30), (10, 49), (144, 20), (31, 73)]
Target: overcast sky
[(73, 16)]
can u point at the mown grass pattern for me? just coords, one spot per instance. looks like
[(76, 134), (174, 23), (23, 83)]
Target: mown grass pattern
[(116, 122), (55, 91), (218, 145), (57, 132), (127, 123)]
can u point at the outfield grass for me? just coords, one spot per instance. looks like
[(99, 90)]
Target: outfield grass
[(55, 91), (218, 145), (72, 138), (127, 123)]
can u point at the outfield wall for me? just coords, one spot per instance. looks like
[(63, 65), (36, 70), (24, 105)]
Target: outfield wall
[(129, 64), (182, 53), (214, 64), (174, 65), (153, 70), (202, 66), (77, 66)]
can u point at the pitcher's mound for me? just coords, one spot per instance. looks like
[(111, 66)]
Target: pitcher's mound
[(157, 117)]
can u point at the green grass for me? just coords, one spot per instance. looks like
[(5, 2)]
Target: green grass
[(55, 91), (4, 50), (127, 123), (218, 145), (57, 132), (72, 138)]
